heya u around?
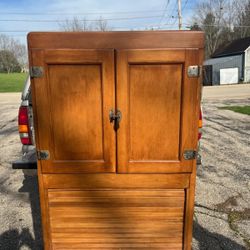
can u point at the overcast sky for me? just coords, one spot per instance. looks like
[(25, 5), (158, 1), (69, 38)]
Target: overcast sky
[(18, 17)]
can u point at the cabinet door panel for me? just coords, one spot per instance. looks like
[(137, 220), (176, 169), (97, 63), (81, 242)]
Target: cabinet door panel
[(73, 100), (158, 102), (153, 117)]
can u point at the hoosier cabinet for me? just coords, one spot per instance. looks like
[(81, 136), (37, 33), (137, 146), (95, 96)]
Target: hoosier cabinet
[(116, 123)]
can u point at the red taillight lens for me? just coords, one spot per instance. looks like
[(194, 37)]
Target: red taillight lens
[(200, 125), (23, 126), (199, 135), (23, 118), (26, 141)]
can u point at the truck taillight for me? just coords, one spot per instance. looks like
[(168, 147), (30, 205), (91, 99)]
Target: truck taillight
[(23, 126), (200, 125)]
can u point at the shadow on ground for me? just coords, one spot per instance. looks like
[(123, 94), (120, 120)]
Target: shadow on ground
[(15, 239), (207, 240)]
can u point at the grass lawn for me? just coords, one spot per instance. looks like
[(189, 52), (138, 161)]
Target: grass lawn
[(12, 82), (240, 109)]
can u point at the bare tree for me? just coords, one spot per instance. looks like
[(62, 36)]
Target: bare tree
[(14, 49), (8, 62), (102, 25), (218, 19), (209, 16), (242, 20), (77, 24)]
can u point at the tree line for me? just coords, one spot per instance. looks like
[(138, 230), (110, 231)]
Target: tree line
[(222, 21), (76, 24), (13, 55)]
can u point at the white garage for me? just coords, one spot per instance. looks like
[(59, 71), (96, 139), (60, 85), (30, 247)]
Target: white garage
[(229, 65), (229, 76)]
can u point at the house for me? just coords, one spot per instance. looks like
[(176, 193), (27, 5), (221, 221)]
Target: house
[(229, 65)]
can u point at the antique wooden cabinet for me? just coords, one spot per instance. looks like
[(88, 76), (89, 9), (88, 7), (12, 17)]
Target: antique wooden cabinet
[(116, 124)]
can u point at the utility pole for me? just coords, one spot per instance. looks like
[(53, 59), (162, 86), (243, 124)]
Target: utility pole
[(179, 14)]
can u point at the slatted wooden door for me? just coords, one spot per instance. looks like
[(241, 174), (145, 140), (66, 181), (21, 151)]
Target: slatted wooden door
[(73, 99), (116, 219), (158, 102)]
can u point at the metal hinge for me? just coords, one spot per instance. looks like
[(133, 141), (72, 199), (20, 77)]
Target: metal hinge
[(43, 155), (36, 71), (194, 71), (189, 154)]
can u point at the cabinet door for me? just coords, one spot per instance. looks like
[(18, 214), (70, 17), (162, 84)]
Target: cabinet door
[(72, 100), (159, 106)]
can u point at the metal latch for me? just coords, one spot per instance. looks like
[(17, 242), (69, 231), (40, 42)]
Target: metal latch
[(43, 155), (36, 71), (115, 117), (189, 154), (194, 71)]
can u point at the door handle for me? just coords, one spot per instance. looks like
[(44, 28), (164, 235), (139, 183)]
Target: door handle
[(115, 117)]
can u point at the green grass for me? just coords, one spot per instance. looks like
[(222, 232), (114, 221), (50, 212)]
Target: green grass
[(12, 82), (240, 109)]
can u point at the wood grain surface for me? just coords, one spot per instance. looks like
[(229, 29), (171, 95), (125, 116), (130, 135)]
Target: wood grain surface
[(157, 100), (116, 219), (103, 180), (116, 39), (72, 110), (129, 188)]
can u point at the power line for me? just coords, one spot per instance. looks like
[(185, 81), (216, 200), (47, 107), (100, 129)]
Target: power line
[(217, 25), (77, 13), (185, 4), (80, 20), (127, 27), (55, 13), (164, 10), (13, 31), (154, 26), (172, 14), (94, 13)]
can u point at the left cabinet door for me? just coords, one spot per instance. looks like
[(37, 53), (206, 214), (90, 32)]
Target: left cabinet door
[(72, 100)]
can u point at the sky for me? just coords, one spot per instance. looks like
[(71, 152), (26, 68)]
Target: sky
[(18, 17)]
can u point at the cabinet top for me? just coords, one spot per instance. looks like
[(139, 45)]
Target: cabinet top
[(116, 40)]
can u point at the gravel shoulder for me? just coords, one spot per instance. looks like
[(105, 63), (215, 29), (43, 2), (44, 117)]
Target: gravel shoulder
[(222, 204), (19, 198)]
